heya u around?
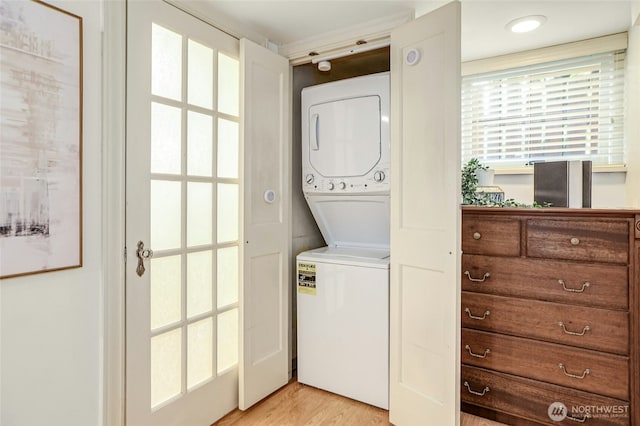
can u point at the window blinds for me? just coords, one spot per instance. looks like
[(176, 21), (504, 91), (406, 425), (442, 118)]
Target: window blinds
[(571, 109)]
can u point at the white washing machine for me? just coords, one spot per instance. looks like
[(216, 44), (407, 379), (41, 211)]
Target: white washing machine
[(343, 289), (343, 322)]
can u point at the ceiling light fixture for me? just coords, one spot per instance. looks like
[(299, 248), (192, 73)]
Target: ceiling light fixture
[(526, 23)]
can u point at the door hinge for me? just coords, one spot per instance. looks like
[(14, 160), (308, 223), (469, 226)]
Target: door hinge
[(125, 254)]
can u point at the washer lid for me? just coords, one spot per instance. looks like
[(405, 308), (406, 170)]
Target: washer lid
[(365, 257), (352, 220)]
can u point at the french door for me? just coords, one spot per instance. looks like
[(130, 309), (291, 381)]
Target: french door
[(183, 228), (208, 222)]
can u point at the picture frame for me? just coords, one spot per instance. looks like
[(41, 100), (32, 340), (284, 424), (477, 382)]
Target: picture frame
[(40, 138)]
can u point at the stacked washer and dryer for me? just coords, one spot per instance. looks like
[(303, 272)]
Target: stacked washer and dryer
[(343, 288)]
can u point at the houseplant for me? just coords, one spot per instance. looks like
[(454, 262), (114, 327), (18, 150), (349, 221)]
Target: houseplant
[(470, 181), (469, 185)]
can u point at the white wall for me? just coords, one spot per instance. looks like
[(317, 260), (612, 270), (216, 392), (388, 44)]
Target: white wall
[(632, 132), (608, 189), (51, 324)]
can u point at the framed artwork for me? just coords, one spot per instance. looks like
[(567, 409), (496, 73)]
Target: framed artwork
[(40, 138)]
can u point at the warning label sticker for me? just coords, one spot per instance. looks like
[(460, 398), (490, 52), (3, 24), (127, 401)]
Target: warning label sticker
[(307, 278)]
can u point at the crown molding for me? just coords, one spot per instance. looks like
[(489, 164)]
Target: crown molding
[(206, 11), (335, 41)]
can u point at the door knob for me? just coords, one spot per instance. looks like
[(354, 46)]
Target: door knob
[(142, 254)]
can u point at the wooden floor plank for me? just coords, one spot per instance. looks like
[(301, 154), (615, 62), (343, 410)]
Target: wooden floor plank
[(300, 405)]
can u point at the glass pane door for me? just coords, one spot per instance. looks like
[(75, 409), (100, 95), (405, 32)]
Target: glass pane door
[(183, 202), (194, 207)]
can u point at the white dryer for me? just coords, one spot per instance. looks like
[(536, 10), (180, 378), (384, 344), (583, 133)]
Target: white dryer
[(343, 289), (345, 159)]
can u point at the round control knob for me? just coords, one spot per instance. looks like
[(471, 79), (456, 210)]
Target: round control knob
[(331, 186), (342, 185), (309, 178), (379, 176)]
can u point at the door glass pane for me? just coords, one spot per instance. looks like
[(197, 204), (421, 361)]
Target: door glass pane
[(199, 282), (166, 294), (199, 352), (166, 366), (199, 213), (227, 212), (166, 129), (166, 63), (228, 84), (200, 80), (227, 149), (199, 144), (165, 214), (227, 276), (227, 340)]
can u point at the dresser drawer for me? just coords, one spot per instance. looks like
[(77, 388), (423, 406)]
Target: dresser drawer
[(587, 370), (604, 286), (530, 399), (592, 328), (588, 240), (490, 235)]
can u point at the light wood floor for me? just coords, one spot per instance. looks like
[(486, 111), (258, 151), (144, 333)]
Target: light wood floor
[(300, 405)]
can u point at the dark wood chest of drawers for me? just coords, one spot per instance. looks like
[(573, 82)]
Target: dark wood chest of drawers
[(550, 315)]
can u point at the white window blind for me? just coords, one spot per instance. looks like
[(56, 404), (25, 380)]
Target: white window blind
[(572, 109)]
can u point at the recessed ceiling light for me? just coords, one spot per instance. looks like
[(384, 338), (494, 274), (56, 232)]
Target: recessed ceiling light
[(526, 23)]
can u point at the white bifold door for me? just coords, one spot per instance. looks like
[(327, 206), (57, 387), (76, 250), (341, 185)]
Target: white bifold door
[(425, 220), (207, 258)]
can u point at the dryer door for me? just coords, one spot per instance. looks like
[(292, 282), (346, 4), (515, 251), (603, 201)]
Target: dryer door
[(344, 136)]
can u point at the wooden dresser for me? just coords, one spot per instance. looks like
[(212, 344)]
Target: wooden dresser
[(550, 315)]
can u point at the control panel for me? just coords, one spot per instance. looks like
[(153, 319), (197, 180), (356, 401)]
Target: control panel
[(376, 181)]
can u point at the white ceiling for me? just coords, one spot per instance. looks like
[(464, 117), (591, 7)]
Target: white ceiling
[(483, 21)]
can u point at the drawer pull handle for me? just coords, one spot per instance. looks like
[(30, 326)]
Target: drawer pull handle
[(578, 419), (477, 235), (575, 241), (574, 290), (575, 376), (574, 333), (471, 391), (486, 352), (485, 315), (477, 280)]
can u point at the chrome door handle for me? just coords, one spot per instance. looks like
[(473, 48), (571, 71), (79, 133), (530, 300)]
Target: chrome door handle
[(142, 254)]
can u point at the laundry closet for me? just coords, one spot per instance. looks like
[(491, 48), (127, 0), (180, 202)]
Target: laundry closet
[(306, 234), (423, 216)]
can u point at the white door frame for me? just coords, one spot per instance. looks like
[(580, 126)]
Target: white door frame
[(113, 210)]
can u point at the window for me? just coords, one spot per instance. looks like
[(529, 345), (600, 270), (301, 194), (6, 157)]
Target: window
[(569, 109)]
